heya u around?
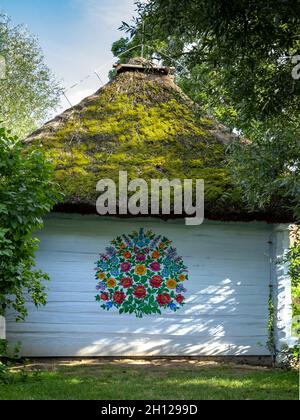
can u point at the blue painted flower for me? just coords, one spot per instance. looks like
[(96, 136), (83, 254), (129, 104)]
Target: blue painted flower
[(115, 272), (115, 262), (173, 306), (166, 272), (176, 269), (103, 265), (109, 305), (141, 244)]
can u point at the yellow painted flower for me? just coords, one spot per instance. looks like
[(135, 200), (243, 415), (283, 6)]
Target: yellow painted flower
[(140, 270), (182, 277), (171, 284), (111, 283), (101, 276)]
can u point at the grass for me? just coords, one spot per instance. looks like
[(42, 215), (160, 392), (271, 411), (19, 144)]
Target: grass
[(157, 380)]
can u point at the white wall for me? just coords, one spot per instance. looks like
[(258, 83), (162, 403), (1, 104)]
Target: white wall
[(227, 306), (2, 328)]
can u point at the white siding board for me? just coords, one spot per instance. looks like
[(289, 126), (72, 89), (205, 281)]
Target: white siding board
[(35, 345), (227, 306), (204, 289), (157, 327), (172, 321), (199, 298), (189, 309)]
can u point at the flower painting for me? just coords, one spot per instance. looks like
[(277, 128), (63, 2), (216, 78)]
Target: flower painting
[(141, 274)]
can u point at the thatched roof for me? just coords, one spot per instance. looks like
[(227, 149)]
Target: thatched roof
[(141, 122)]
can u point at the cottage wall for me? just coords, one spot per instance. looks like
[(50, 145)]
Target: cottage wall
[(226, 312)]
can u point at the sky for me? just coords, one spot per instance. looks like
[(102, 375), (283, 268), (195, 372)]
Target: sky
[(75, 35)]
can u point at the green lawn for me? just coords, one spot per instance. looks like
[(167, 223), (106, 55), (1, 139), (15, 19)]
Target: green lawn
[(158, 380)]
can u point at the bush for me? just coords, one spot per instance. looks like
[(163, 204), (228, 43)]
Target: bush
[(6, 359), (293, 258), (27, 193)]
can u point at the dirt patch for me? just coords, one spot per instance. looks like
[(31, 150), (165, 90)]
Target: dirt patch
[(153, 364)]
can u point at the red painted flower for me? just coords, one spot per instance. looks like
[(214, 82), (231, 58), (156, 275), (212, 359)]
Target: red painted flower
[(179, 299), (104, 296), (155, 266), (125, 267), (119, 298), (156, 281), (126, 282), (163, 299), (140, 292), (141, 257), (127, 255)]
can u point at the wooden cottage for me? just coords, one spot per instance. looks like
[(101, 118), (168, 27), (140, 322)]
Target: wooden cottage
[(152, 286)]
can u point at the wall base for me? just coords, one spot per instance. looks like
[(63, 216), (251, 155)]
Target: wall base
[(266, 361)]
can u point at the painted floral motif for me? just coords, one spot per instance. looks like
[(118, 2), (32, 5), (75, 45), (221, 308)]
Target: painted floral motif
[(141, 274)]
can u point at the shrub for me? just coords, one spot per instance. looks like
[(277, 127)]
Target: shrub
[(27, 193)]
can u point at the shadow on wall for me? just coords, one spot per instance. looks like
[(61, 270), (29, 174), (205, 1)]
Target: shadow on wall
[(228, 318)]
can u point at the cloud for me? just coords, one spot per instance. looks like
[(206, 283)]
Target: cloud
[(109, 13), (89, 47)]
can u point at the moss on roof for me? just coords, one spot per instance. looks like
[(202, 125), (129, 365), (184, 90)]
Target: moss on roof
[(141, 123)]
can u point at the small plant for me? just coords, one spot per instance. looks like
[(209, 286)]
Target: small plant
[(293, 258), (7, 358), (10, 358)]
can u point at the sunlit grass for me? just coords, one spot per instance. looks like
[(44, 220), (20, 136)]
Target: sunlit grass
[(160, 381)]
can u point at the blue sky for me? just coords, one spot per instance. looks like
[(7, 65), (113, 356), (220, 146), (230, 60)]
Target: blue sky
[(75, 35)]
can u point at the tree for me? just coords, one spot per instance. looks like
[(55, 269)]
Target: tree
[(235, 59), (268, 167), (26, 194), (251, 44), (125, 48), (138, 45), (28, 90)]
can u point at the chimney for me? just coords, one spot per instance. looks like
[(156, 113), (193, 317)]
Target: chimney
[(144, 66)]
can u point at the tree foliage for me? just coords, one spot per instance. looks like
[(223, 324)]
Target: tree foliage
[(26, 194), (250, 43), (28, 91), (268, 168), (235, 60)]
